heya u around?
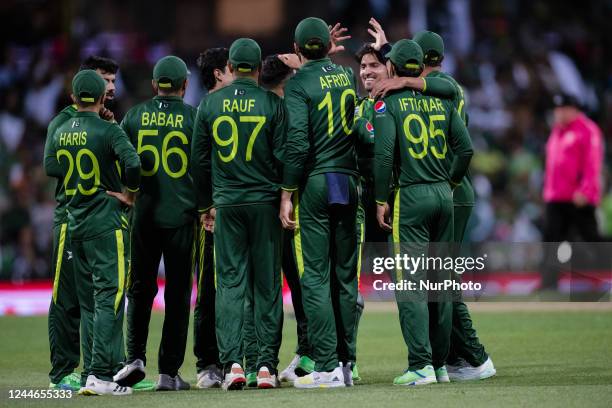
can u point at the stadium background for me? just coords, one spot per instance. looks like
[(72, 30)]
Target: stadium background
[(510, 55)]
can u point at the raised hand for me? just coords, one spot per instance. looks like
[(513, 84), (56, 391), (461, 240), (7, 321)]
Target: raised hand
[(378, 33)]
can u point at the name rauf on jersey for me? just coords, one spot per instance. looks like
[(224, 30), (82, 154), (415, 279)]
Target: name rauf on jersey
[(421, 104), (334, 80), (238, 105)]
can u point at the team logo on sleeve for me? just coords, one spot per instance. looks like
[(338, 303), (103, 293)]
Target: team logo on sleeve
[(369, 127), (380, 107)]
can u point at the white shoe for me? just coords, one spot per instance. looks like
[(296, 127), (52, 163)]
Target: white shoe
[(234, 379), (266, 380), (210, 377), (288, 374), (131, 373), (95, 386), (461, 363), (470, 373), (442, 375), (332, 379), (347, 372)]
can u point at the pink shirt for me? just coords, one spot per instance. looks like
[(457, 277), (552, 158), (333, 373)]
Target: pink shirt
[(574, 156)]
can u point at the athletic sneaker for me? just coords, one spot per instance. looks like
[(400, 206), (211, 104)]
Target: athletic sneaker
[(305, 366), (424, 376), (131, 373), (169, 383), (209, 377), (356, 376), (234, 379), (442, 375), (347, 373), (251, 380), (70, 382), (332, 379), (288, 374), (265, 379), (453, 368), (470, 373), (96, 386), (144, 385)]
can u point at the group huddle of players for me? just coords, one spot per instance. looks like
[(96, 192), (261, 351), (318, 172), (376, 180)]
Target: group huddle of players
[(289, 170)]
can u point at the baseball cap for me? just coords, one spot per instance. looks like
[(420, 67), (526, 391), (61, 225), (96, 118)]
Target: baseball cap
[(406, 54), (88, 85), (565, 99), (432, 45), (245, 54), (170, 72), (309, 29)]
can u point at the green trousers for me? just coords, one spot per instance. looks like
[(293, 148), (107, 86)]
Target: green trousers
[(204, 334), (423, 213), (177, 245), (64, 311), (248, 259), (325, 247), (464, 340), (101, 266)]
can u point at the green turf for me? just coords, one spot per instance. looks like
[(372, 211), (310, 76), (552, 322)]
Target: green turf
[(543, 359)]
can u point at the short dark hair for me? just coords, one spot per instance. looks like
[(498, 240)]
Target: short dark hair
[(273, 71), (368, 49), (103, 64), (314, 49), (407, 72), (432, 58), (208, 61)]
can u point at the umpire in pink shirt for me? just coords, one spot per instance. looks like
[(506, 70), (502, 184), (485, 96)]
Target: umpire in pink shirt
[(573, 178)]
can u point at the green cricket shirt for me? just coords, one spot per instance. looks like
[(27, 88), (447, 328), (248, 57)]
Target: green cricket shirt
[(83, 153), (463, 195), (161, 130), (320, 100), (420, 130), (59, 216), (237, 143)]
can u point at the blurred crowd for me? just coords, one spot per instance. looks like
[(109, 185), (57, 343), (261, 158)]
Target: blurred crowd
[(511, 56)]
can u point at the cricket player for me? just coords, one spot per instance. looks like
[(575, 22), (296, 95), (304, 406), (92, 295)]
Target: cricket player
[(215, 75), (467, 358), (319, 202), (420, 130), (236, 151), (274, 76), (164, 224), (83, 153), (64, 311)]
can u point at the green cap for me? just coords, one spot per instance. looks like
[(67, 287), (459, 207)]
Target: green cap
[(170, 72), (406, 54), (245, 55), (309, 29), (88, 85), (431, 44)]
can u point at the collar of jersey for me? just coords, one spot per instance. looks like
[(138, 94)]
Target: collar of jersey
[(86, 113), (169, 97), (317, 62), (244, 81)]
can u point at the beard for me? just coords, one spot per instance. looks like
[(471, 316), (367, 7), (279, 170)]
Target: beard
[(109, 103)]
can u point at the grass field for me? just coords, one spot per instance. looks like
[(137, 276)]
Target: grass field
[(543, 358)]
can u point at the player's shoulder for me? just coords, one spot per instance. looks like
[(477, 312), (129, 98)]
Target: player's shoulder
[(65, 114), (138, 108)]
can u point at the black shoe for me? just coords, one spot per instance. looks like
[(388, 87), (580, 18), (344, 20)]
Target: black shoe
[(165, 383), (180, 384)]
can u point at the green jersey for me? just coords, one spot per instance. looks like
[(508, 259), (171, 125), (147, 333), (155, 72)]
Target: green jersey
[(464, 193), (420, 130), (161, 129), (83, 154), (59, 216), (237, 144), (320, 100)]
